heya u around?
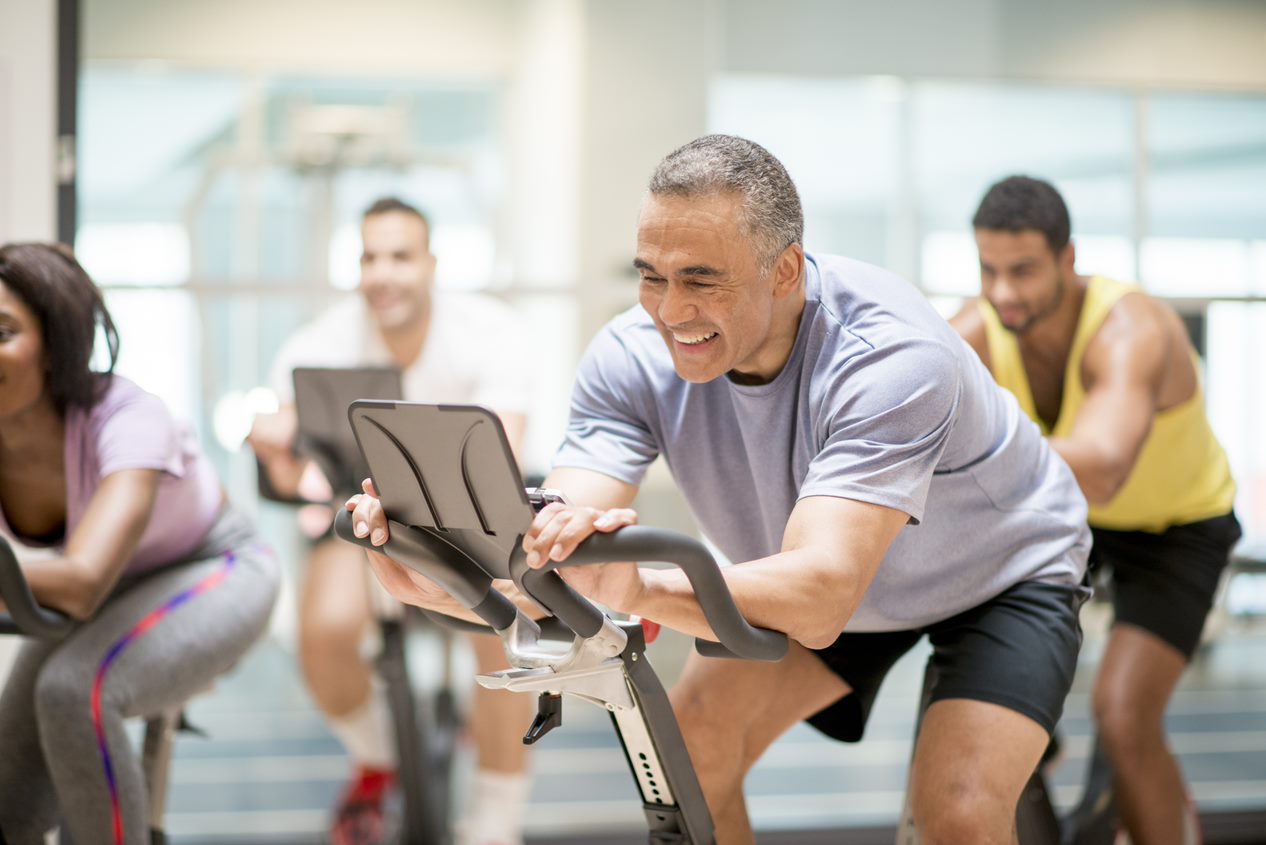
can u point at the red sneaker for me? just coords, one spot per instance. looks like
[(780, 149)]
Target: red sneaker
[(358, 819)]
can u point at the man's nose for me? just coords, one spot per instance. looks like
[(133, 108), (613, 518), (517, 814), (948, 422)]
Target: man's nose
[(371, 273), (1000, 289), (676, 308)]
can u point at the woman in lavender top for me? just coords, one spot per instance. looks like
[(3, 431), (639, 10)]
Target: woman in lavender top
[(169, 584)]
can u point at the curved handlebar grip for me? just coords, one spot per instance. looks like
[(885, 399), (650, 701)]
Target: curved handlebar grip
[(25, 616), (443, 563), (550, 591), (642, 543)]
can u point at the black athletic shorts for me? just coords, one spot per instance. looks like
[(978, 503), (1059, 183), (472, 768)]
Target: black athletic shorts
[(1165, 583), (1017, 650)]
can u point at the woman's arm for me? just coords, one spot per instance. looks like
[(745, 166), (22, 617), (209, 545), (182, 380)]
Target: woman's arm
[(98, 551)]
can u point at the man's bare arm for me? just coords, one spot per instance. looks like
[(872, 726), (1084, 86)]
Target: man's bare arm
[(1123, 371), (272, 438), (831, 549)]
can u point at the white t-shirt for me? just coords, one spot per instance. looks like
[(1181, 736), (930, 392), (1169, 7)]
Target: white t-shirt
[(475, 352)]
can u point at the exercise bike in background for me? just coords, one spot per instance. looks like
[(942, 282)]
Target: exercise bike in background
[(425, 727)]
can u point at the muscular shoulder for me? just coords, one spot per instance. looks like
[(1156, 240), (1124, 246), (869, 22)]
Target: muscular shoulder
[(1137, 325), (970, 326), (1139, 341)]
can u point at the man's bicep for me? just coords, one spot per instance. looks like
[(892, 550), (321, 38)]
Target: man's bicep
[(1114, 420), (1123, 370), (594, 489)]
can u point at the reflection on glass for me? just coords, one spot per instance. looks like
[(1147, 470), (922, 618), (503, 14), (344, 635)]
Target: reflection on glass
[(1207, 162), (965, 136)]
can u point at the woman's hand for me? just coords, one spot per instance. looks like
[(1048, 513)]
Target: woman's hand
[(556, 532)]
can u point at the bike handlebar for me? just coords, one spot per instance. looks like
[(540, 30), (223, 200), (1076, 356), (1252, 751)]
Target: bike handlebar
[(737, 637), (444, 564), (25, 616), (466, 581)]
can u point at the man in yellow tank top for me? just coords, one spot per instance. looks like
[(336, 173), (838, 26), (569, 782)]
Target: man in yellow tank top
[(1109, 375)]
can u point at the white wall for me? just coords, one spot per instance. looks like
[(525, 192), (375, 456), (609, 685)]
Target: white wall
[(432, 38), (1147, 43), (28, 120)]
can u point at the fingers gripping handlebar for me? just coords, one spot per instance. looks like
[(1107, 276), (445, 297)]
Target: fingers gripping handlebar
[(642, 543), (444, 564), (458, 574), (25, 616)]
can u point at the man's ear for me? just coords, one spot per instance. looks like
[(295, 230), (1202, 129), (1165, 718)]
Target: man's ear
[(1067, 258), (788, 269)]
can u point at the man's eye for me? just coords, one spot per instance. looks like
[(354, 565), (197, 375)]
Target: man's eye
[(652, 280), (697, 285)]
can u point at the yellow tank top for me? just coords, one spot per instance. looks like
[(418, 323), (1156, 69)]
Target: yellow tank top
[(1181, 474)]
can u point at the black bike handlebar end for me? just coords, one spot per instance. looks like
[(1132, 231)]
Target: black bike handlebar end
[(25, 615)]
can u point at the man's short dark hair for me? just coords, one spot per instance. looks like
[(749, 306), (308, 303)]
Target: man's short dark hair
[(771, 215), (1019, 203), (70, 309), (395, 205)]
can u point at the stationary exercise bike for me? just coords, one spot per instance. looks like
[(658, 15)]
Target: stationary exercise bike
[(27, 618), (425, 730), (457, 512)]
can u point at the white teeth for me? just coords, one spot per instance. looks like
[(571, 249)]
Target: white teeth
[(693, 340)]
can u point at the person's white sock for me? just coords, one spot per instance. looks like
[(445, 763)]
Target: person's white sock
[(367, 733), (498, 801)]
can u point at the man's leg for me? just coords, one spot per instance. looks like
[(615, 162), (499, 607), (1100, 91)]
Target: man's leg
[(497, 723), (499, 719), (970, 766), (333, 617), (334, 614), (731, 711), (1137, 676), (1163, 588)]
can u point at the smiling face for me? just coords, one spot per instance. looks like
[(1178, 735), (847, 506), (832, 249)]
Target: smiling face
[(21, 356), (1021, 277), (716, 308), (396, 269)]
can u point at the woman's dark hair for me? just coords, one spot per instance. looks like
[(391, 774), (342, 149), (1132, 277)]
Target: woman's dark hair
[(69, 307)]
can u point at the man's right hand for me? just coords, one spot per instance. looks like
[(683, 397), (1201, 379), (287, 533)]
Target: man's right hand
[(404, 584), (272, 438)]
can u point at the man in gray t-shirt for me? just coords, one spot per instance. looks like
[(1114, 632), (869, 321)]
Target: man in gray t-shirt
[(878, 402), (839, 442)]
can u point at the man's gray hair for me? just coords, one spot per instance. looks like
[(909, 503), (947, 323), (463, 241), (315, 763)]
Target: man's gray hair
[(771, 215)]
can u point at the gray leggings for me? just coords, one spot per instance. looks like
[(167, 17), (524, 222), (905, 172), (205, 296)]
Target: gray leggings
[(158, 639)]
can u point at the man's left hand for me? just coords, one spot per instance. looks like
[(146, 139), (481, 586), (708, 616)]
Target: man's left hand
[(556, 532)]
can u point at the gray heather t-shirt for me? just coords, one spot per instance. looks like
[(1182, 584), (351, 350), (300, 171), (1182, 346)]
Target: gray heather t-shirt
[(879, 402)]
